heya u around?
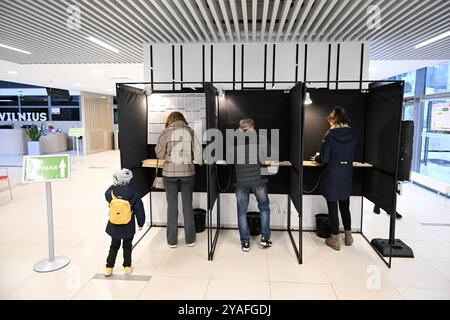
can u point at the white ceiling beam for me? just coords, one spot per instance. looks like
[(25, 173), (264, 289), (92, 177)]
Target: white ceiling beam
[(162, 24), (264, 19), (169, 21), (189, 20), (110, 23), (254, 18), (235, 19), (360, 12), (386, 23), (327, 8), (311, 17), (284, 12), (212, 8), (48, 27), (197, 19), (303, 13), (245, 17), (425, 26), (361, 25), (402, 26), (206, 18), (440, 25), (293, 16), (177, 17), (140, 22), (273, 19), (223, 8), (327, 33), (337, 10), (138, 28)]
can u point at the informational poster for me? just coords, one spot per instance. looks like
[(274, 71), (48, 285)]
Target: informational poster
[(160, 106), (440, 117)]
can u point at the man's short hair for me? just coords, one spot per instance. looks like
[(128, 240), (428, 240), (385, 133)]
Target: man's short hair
[(246, 124)]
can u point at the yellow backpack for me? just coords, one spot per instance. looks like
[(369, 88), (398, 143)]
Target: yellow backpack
[(119, 211)]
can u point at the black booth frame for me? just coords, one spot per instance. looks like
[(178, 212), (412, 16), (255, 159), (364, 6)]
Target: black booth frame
[(212, 239)]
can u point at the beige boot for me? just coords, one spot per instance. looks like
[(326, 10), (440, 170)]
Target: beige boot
[(334, 242), (348, 238)]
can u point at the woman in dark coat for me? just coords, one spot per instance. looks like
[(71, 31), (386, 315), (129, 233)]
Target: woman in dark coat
[(338, 151)]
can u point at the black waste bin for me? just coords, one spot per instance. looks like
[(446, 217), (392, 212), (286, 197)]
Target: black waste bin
[(323, 228), (254, 223), (200, 220)]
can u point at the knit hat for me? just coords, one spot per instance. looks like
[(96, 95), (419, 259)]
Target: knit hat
[(122, 177)]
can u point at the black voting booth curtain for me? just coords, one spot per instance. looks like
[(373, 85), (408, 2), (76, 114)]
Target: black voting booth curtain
[(296, 146), (383, 121), (211, 123), (132, 106)]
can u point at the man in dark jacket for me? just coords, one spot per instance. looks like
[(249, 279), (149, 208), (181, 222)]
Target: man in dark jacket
[(248, 179), (125, 232)]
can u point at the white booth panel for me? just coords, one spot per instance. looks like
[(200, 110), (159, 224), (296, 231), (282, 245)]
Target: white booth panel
[(192, 62), (254, 63), (162, 65), (285, 62)]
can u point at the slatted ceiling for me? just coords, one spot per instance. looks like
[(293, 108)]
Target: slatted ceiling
[(40, 26)]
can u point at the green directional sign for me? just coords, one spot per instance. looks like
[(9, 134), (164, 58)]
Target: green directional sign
[(76, 132), (46, 168)]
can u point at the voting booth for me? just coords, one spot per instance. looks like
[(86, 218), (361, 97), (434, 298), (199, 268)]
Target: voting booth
[(375, 115)]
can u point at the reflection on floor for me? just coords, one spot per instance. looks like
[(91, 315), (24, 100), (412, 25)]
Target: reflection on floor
[(184, 273)]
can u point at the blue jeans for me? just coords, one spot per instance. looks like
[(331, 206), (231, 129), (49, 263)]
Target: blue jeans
[(242, 196)]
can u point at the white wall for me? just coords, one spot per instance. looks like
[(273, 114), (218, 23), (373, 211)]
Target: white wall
[(285, 68)]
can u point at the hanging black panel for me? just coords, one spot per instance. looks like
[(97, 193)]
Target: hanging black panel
[(382, 143), (295, 146), (211, 123), (132, 106)]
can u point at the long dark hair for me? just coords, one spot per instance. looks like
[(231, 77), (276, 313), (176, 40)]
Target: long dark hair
[(338, 116)]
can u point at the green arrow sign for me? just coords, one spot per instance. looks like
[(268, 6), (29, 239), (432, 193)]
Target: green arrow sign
[(76, 132), (46, 168)]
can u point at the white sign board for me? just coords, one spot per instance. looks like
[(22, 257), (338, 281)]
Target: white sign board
[(191, 105)]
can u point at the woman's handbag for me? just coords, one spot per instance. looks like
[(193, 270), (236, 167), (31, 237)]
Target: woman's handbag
[(158, 183)]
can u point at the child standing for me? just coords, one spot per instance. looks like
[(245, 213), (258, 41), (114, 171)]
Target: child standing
[(125, 206)]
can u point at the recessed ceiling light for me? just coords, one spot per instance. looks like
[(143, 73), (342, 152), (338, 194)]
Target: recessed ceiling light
[(12, 72), (432, 40), (14, 49), (96, 71), (103, 97), (103, 44), (77, 84)]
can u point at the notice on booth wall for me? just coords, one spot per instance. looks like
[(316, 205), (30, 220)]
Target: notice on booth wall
[(160, 106), (440, 117)]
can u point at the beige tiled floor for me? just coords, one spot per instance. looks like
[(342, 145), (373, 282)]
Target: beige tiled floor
[(185, 273)]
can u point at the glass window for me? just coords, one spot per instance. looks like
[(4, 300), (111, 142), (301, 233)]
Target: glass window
[(438, 78), (65, 114), (29, 101), (9, 101), (435, 152), (73, 101), (408, 111), (410, 83)]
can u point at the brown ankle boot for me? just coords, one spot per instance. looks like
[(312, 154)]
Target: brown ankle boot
[(334, 242), (348, 238)]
